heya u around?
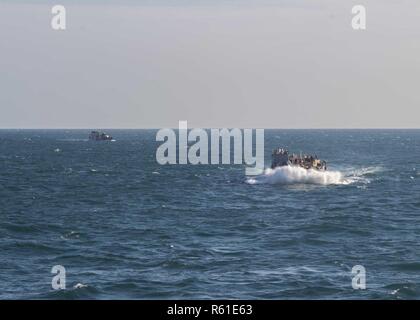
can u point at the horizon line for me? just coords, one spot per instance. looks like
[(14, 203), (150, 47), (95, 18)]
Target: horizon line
[(265, 128)]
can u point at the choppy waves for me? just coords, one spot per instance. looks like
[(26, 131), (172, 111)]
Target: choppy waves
[(125, 227)]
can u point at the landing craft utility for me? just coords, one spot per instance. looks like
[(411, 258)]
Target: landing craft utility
[(281, 157), (99, 136)]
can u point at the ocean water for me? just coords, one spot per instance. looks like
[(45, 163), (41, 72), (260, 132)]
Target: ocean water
[(125, 227)]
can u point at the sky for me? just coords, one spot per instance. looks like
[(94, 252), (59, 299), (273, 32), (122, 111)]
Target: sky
[(245, 64)]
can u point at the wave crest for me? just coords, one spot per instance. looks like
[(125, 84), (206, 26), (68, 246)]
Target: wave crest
[(294, 175)]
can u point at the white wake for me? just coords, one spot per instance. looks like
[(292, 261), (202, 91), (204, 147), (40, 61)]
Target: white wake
[(295, 175)]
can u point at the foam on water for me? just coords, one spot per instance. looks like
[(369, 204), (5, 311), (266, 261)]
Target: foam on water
[(298, 175), (72, 140), (362, 175), (293, 175), (80, 286)]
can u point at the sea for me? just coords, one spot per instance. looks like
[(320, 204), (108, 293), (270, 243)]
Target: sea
[(121, 226)]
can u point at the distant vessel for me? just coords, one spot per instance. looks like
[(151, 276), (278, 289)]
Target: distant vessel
[(281, 157), (99, 136)]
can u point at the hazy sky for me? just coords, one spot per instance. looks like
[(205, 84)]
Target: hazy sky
[(252, 63)]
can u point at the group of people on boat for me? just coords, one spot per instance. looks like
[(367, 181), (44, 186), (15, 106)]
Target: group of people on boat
[(281, 158), (307, 161)]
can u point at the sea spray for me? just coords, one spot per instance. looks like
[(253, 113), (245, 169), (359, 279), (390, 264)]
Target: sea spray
[(295, 175)]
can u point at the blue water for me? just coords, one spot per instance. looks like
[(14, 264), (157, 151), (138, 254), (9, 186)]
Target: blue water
[(124, 226)]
